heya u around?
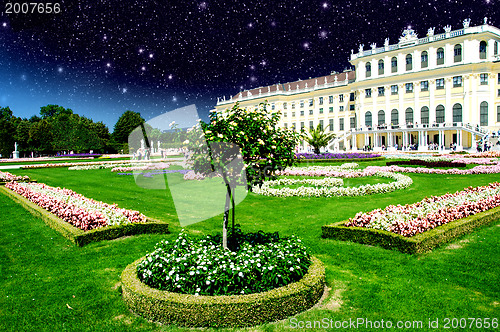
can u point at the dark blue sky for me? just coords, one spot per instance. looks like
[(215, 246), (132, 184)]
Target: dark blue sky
[(101, 58)]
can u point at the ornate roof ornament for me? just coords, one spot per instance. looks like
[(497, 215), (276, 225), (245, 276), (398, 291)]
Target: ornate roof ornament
[(466, 23), (430, 32), (373, 46), (386, 42), (361, 48), (447, 29), (485, 21), (408, 35)]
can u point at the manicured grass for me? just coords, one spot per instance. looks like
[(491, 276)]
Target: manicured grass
[(458, 280)]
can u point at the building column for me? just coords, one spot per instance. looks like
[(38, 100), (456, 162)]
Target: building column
[(473, 142), (459, 140)]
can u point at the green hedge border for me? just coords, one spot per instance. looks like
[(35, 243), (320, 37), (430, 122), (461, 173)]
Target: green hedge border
[(81, 237), (222, 311), (301, 161), (417, 244)]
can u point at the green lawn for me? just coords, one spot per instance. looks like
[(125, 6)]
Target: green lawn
[(48, 284)]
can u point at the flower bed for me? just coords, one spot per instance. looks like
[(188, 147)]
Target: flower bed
[(79, 155), (75, 209), (433, 221), (335, 156), (155, 166), (281, 277), (8, 177), (209, 269), (163, 171), (82, 165), (431, 212), (81, 237), (417, 162), (447, 158), (402, 182), (480, 169)]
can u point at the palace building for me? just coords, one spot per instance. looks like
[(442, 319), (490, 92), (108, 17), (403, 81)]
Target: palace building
[(434, 92)]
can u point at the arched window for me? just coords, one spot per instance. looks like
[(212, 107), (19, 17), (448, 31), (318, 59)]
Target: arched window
[(394, 65), (409, 62), (381, 117), (457, 113), (381, 67), (394, 117), (424, 115), (368, 69), (440, 56), (483, 114), (409, 115), (457, 52), (440, 114), (368, 119), (482, 50), (424, 58)]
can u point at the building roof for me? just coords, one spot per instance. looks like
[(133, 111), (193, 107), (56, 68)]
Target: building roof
[(299, 85)]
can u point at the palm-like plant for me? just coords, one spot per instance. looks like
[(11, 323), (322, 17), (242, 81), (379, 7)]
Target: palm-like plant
[(318, 138)]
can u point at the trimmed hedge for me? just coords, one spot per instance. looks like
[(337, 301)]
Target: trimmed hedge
[(417, 244), (338, 160), (222, 311), (81, 237), (418, 162)]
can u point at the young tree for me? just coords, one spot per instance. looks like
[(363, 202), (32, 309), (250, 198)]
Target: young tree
[(318, 138), (265, 148)]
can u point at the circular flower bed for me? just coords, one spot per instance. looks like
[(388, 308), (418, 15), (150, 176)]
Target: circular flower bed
[(205, 268), (332, 188), (195, 284)]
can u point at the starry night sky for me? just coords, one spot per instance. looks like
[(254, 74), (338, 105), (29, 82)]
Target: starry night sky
[(103, 57)]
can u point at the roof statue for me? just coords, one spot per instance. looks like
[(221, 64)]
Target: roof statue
[(485, 21), (430, 32), (466, 23), (373, 46), (447, 28), (361, 48), (409, 35), (386, 42)]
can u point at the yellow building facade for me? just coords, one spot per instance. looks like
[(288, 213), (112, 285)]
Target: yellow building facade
[(440, 91)]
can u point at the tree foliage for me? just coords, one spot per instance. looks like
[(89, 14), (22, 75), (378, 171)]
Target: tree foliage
[(127, 122), (57, 129), (265, 147)]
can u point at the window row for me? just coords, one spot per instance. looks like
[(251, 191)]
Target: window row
[(424, 85), (424, 59), (331, 126), (321, 101), (424, 115)]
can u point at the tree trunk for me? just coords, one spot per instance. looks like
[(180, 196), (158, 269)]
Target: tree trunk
[(225, 220)]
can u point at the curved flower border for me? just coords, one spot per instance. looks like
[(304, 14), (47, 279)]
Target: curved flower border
[(402, 182)]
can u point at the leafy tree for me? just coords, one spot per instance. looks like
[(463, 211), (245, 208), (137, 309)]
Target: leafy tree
[(265, 149), (7, 130), (318, 138), (23, 134), (41, 136), (127, 122), (53, 110)]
